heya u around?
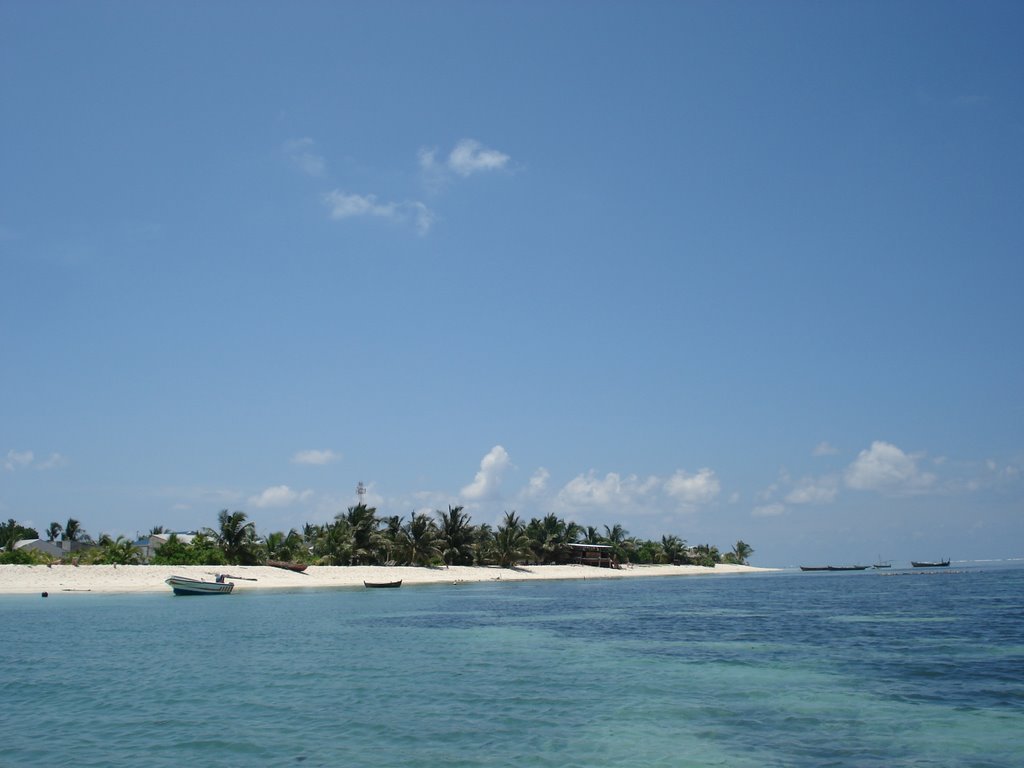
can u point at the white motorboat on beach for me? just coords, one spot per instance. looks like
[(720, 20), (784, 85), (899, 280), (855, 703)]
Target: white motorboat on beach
[(182, 585)]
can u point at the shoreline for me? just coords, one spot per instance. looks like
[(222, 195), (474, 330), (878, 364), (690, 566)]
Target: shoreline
[(129, 579)]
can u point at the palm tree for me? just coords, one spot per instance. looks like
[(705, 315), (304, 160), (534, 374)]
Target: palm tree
[(73, 530), (740, 552), (392, 537), (421, 539), (483, 544), (616, 537), (55, 530), (706, 555), (456, 536), (591, 536), (236, 538), (366, 539), (335, 544), (511, 544), (119, 551), (673, 549), (550, 538)]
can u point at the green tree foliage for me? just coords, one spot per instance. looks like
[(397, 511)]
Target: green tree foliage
[(364, 533), (550, 538), (288, 547), (706, 555), (455, 536), (511, 544), (236, 538), (119, 551), (54, 531), (203, 550), (483, 544), (73, 531), (359, 537), (615, 536), (422, 540), (24, 557), (740, 552), (12, 532)]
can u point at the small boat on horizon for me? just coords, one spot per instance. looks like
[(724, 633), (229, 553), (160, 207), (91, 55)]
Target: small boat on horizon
[(930, 564), (182, 585), (382, 584), (833, 567)]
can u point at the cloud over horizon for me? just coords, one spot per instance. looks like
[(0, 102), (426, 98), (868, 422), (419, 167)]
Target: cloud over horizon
[(316, 457), (885, 468), (278, 496), (487, 482)]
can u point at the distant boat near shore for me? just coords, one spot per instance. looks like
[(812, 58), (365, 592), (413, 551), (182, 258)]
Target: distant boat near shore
[(833, 567), (382, 584), (930, 564)]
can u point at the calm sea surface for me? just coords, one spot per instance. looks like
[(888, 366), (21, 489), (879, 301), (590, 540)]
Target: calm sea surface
[(784, 669)]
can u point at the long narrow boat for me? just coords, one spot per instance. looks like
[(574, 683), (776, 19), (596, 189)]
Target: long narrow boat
[(833, 567), (928, 564), (297, 567), (182, 585), (382, 584)]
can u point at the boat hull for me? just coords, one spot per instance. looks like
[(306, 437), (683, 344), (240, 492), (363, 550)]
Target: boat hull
[(382, 584), (833, 567), (297, 567), (939, 564), (185, 586)]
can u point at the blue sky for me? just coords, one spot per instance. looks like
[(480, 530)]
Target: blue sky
[(724, 270)]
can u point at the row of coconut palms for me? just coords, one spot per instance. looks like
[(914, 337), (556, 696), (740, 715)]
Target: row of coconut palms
[(360, 537)]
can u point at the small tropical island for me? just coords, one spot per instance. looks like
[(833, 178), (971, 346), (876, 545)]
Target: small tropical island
[(356, 546)]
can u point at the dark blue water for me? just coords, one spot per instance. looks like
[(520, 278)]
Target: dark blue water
[(858, 669)]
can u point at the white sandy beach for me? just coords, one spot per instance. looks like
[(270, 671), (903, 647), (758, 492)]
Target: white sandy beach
[(110, 579)]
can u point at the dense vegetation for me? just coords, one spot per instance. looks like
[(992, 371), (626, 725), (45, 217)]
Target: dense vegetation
[(360, 537)]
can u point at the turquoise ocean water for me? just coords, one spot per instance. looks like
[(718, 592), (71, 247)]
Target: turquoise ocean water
[(789, 669)]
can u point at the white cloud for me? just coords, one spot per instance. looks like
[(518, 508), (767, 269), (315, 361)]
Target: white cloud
[(278, 496), (609, 492), (315, 457), (423, 217), (824, 449), (17, 459), (466, 158), (693, 489), (487, 482), (469, 157), (342, 205), (427, 159), (884, 467), (52, 461), (768, 510), (300, 153), (346, 206), (538, 483), (814, 490)]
